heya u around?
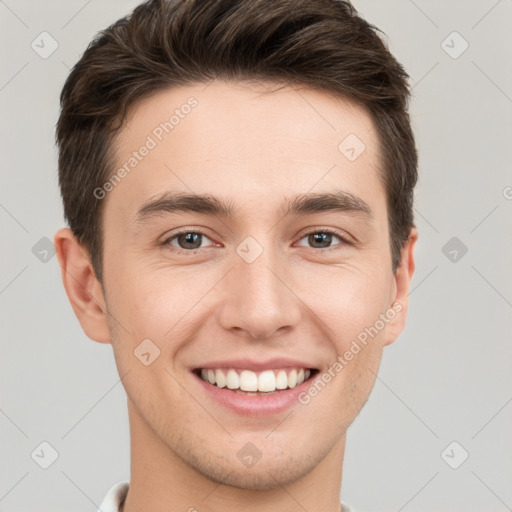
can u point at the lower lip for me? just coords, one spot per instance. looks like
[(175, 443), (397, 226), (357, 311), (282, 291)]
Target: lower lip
[(255, 405)]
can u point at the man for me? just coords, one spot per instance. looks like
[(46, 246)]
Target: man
[(238, 180)]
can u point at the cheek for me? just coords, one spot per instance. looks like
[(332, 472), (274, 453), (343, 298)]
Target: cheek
[(347, 300), (351, 305), (165, 305)]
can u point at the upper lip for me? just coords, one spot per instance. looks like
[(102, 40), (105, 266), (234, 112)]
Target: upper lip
[(255, 366)]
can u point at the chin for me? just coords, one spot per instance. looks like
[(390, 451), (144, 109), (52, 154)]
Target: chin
[(276, 468), (261, 477)]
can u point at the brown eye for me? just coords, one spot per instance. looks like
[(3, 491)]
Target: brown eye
[(188, 240), (323, 239), (320, 240)]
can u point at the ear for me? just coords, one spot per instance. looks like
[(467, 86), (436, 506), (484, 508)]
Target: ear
[(402, 284), (84, 291)]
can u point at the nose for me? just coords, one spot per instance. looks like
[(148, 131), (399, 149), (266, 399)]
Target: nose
[(259, 300)]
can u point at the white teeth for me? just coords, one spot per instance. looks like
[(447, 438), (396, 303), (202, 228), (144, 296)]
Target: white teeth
[(248, 381), (220, 379), (281, 380), (292, 378), (232, 380), (266, 382)]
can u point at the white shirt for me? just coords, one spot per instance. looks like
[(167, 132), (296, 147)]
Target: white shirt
[(117, 494)]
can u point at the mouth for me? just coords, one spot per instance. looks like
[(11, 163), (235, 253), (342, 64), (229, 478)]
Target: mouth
[(256, 383)]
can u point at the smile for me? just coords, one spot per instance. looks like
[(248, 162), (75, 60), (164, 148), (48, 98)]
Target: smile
[(255, 383)]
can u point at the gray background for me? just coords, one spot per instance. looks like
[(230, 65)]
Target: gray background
[(448, 378)]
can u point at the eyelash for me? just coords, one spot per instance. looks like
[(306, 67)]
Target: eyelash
[(343, 240)]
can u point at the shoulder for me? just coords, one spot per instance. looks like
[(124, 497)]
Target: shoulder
[(115, 498), (117, 494)]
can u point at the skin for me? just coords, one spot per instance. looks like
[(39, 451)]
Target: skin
[(253, 146)]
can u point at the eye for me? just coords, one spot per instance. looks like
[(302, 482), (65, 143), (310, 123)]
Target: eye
[(187, 240), (322, 239)]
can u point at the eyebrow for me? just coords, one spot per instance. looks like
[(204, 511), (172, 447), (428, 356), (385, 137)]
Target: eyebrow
[(304, 204)]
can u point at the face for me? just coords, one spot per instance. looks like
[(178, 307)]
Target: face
[(278, 271)]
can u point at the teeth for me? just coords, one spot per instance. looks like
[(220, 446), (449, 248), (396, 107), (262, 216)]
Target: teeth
[(292, 379), (246, 380), (281, 380), (266, 381), (220, 379), (232, 380)]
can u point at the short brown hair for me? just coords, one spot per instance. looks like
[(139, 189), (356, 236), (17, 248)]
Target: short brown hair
[(323, 44)]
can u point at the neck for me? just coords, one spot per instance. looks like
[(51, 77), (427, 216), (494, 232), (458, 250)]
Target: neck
[(161, 481)]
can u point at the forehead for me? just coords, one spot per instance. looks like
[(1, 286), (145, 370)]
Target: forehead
[(255, 142)]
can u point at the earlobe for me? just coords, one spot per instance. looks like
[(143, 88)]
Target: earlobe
[(403, 277), (84, 291)]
